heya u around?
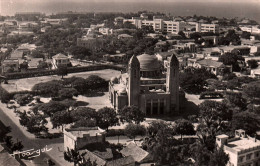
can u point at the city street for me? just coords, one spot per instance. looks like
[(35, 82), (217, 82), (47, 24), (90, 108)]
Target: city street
[(56, 145)]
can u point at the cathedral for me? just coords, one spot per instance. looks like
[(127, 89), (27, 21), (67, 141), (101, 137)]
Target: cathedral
[(147, 85)]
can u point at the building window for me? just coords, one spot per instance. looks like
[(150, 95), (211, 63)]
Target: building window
[(249, 156), (256, 154), (240, 159)]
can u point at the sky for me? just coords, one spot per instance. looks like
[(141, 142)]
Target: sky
[(10, 7)]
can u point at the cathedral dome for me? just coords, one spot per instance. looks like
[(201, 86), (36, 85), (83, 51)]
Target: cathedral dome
[(148, 62)]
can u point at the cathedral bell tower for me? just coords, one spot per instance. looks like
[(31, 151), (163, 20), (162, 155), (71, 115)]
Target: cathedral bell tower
[(133, 81), (172, 82)]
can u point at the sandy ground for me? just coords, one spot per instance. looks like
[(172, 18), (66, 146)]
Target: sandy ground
[(28, 83), (96, 102)]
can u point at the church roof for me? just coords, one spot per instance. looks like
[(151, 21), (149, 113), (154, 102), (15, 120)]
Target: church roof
[(148, 62)]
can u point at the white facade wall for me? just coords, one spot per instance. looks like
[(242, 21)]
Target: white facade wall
[(207, 28)]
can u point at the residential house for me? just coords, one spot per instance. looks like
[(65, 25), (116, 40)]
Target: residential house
[(116, 58), (161, 46), (16, 54), (124, 36), (215, 67), (243, 150), (34, 62), (60, 60), (105, 31), (186, 47), (210, 40), (10, 65)]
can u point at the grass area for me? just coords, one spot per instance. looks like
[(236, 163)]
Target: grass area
[(28, 83)]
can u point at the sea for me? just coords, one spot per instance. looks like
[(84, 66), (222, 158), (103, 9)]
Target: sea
[(228, 9)]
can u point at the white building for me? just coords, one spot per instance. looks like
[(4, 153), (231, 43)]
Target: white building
[(159, 24), (60, 60), (251, 29), (242, 150), (77, 138), (200, 27)]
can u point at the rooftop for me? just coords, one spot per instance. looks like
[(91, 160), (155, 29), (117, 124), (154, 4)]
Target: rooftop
[(81, 131), (136, 152), (210, 63), (243, 144), (16, 54), (60, 56), (148, 62)]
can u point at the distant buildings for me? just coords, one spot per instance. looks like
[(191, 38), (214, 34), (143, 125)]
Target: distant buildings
[(252, 29), (243, 150)]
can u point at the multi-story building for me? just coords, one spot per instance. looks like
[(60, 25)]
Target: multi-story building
[(251, 29), (200, 27), (158, 24), (243, 150)]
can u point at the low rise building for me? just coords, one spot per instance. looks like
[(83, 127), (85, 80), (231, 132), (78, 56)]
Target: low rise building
[(243, 150), (10, 65), (214, 67), (60, 60), (77, 138)]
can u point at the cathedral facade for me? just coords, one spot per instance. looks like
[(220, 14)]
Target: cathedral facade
[(147, 85)]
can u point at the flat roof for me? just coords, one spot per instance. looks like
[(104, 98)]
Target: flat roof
[(80, 132), (243, 144)]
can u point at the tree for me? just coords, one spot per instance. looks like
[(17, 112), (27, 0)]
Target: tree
[(245, 35), (218, 157), (231, 59), (132, 130), (252, 64), (85, 123), (193, 80), (67, 93), (107, 117), (252, 90), (61, 118), (184, 127), (49, 108), (248, 121), (83, 113), (37, 54), (131, 114), (200, 154), (23, 99), (49, 89), (213, 117), (62, 71), (236, 101)]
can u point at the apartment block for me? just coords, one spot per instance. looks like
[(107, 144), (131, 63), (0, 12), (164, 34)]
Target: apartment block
[(243, 150), (207, 27)]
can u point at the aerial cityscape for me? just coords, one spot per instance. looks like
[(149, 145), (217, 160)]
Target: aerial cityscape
[(129, 83)]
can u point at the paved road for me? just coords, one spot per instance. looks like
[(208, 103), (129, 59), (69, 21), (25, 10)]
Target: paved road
[(34, 143)]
